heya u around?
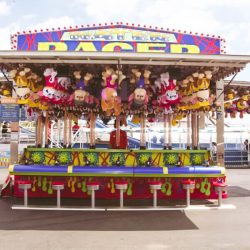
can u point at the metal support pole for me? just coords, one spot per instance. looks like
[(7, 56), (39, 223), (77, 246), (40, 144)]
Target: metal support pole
[(117, 138), (220, 122), (93, 198), (58, 198), (143, 134), (25, 196), (121, 198), (155, 198), (165, 130), (188, 131), (170, 131), (188, 196)]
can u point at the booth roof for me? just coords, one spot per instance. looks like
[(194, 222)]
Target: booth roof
[(221, 65)]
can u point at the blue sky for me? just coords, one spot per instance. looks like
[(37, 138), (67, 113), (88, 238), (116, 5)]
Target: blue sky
[(227, 18)]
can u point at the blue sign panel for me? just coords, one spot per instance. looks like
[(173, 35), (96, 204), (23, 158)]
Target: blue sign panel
[(9, 112)]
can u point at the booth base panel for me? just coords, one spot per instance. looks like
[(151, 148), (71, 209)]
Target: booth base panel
[(138, 188)]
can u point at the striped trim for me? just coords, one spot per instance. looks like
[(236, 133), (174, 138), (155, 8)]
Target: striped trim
[(165, 170), (70, 169)]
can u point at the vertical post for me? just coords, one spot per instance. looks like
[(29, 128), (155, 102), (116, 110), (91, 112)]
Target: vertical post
[(194, 130), (143, 134), (188, 196), (92, 130), (25, 196), (165, 130), (197, 128), (70, 130), (117, 138), (14, 142), (46, 129), (121, 198), (58, 132), (170, 131), (220, 122), (93, 198), (65, 128), (155, 198), (188, 130), (58, 198)]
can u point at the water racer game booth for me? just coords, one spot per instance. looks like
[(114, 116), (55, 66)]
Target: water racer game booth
[(119, 72)]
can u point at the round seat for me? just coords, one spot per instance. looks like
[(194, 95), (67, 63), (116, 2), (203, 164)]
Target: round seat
[(93, 185), (58, 185), (188, 184), (155, 185), (219, 188), (24, 184), (121, 185), (220, 185)]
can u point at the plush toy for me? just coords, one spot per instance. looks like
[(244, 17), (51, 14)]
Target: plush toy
[(23, 95), (242, 103), (168, 95), (110, 102), (110, 77), (5, 89), (138, 99), (34, 100), (82, 82)]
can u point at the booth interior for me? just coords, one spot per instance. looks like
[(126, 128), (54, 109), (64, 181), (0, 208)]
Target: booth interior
[(62, 88)]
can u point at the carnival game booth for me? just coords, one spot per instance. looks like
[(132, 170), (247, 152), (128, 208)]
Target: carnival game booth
[(153, 85)]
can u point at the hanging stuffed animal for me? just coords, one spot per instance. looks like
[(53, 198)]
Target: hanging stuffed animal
[(168, 96), (242, 103), (110, 102), (139, 98), (51, 83)]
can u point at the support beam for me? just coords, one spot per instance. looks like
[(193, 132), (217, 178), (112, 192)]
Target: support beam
[(220, 122), (194, 122)]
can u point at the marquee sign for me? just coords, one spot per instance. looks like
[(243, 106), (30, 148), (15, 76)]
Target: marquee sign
[(117, 38)]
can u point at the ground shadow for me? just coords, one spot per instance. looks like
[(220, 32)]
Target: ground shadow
[(90, 221), (236, 191)]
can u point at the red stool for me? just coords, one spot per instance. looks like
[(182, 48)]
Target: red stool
[(93, 186), (187, 185), (219, 188), (155, 185), (58, 186), (121, 185), (25, 185)]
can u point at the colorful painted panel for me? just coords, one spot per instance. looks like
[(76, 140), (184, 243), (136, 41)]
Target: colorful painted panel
[(117, 38), (167, 158)]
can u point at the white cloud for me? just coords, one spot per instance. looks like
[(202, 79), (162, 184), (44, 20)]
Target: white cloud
[(4, 8)]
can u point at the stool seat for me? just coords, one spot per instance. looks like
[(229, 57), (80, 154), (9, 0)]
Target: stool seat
[(121, 185), (155, 185), (25, 185), (219, 188), (188, 184), (93, 185), (58, 185)]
